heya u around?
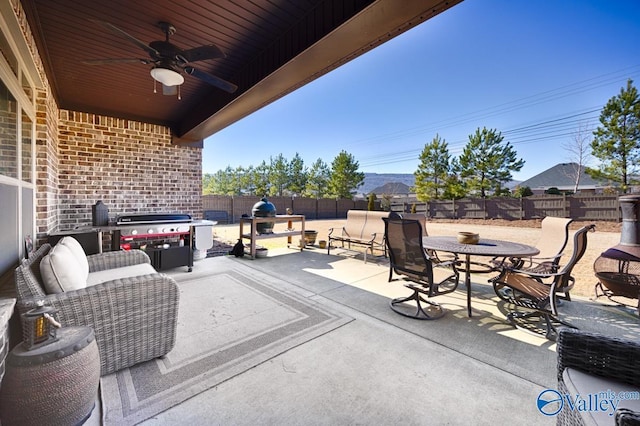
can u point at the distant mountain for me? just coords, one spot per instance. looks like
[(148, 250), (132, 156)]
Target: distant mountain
[(375, 180)]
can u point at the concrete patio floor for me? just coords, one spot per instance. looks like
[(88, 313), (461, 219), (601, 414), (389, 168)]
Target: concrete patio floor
[(383, 368)]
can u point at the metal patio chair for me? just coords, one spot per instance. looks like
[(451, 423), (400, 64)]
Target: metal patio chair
[(553, 240), (538, 292), (407, 258)]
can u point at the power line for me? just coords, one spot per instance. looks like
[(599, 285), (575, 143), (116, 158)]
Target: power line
[(547, 96)]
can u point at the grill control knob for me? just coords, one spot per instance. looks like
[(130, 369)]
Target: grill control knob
[(150, 231), (134, 231)]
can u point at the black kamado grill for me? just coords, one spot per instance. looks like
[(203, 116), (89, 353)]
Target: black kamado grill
[(618, 268)]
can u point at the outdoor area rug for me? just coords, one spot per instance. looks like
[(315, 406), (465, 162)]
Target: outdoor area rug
[(230, 320)]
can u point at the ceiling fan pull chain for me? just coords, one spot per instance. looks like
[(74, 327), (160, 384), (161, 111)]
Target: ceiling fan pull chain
[(155, 90), (179, 97)]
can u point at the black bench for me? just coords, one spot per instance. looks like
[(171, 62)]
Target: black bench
[(219, 216)]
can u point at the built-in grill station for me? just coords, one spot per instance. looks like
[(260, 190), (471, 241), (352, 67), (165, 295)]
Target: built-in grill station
[(618, 268), (168, 239)]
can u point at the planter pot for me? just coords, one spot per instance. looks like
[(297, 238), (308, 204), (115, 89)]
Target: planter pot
[(310, 237), (261, 252), (322, 244)]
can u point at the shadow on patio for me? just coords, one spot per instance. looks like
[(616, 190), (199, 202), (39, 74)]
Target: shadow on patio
[(309, 338)]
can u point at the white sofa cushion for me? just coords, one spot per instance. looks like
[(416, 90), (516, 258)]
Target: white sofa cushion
[(78, 252), (60, 271), (118, 273), (583, 384)]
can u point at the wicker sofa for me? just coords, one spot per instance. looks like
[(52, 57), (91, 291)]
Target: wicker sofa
[(589, 364), (134, 316)]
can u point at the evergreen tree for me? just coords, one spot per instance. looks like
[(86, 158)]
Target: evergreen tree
[(433, 170), (486, 163), (260, 178), (279, 177), (317, 180), (345, 177), (297, 175), (616, 141)]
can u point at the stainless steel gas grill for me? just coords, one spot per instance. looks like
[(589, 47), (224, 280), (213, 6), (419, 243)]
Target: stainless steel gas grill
[(168, 239)]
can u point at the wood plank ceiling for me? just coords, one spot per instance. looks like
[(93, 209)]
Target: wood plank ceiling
[(272, 47)]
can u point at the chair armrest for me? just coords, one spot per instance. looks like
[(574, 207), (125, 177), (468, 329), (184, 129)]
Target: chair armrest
[(373, 238), (134, 319), (116, 259), (342, 231), (600, 355), (532, 274), (626, 417)]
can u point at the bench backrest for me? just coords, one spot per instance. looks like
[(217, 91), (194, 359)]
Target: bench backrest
[(364, 223), (374, 224), (356, 220)]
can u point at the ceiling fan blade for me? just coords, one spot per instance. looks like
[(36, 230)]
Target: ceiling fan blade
[(211, 79), (169, 90), (203, 53), (128, 36), (116, 61)]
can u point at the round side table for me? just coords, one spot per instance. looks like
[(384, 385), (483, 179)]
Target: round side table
[(55, 384)]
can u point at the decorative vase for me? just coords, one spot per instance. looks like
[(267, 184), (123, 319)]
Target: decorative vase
[(264, 208), (310, 237)]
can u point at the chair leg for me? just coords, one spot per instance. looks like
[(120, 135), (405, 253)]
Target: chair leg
[(550, 333), (429, 312)]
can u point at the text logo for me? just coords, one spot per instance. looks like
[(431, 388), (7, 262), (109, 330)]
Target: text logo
[(550, 402)]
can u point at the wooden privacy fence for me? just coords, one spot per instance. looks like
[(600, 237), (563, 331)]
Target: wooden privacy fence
[(228, 209), (578, 207), (217, 206)]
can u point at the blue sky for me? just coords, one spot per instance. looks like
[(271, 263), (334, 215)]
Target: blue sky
[(535, 70)]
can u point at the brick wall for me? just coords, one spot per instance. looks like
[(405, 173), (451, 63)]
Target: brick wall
[(46, 164), (131, 166), (81, 158)]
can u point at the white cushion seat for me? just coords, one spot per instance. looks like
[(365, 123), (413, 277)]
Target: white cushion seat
[(66, 268), (119, 273)]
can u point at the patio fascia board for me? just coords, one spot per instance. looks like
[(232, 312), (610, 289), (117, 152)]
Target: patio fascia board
[(378, 23)]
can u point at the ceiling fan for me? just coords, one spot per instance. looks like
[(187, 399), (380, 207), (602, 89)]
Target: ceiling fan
[(169, 61)]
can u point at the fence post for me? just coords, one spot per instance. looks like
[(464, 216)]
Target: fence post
[(521, 208)]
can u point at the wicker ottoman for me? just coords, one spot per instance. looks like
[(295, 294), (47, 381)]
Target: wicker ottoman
[(55, 384)]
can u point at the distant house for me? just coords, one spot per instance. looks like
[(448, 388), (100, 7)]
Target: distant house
[(562, 176), (395, 189)]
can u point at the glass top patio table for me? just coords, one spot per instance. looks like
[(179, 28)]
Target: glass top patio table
[(485, 247)]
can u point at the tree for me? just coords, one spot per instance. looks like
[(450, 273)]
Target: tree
[(486, 163), (345, 177), (222, 182), (579, 153), (317, 179), (279, 177), (260, 179), (523, 191), (297, 175), (616, 140), (433, 170), (371, 201)]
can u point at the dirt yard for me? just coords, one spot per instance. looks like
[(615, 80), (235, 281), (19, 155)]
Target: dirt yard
[(607, 234)]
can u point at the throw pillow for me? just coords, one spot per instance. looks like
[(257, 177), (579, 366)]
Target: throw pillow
[(78, 252), (60, 271)]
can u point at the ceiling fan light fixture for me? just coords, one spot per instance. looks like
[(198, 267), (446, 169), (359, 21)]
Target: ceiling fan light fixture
[(166, 76)]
